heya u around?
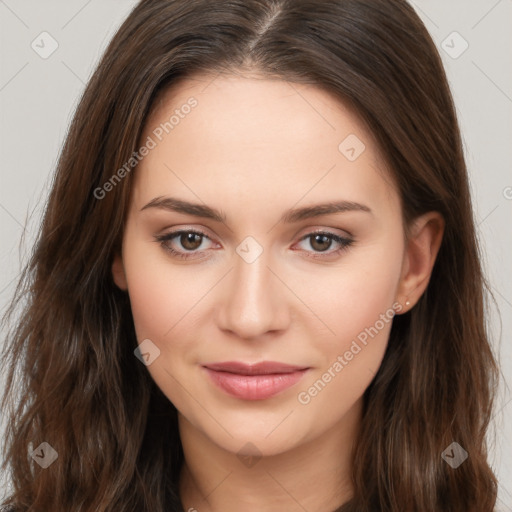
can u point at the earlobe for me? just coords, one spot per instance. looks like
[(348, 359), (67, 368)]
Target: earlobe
[(118, 273), (420, 255)]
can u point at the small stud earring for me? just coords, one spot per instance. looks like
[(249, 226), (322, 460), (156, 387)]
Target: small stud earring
[(407, 302)]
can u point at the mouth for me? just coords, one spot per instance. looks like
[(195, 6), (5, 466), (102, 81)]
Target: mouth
[(254, 381)]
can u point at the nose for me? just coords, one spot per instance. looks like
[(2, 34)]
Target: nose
[(255, 301)]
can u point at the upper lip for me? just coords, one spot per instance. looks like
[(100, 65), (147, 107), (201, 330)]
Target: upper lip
[(263, 368)]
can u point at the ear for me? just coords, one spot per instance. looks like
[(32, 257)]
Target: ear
[(118, 273), (421, 249)]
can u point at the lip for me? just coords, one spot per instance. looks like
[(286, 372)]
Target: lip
[(254, 381)]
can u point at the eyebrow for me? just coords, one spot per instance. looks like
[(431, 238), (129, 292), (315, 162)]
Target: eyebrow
[(288, 217)]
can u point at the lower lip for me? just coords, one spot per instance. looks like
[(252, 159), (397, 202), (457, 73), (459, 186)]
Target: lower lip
[(254, 387)]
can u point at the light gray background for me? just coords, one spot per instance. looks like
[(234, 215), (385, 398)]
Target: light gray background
[(38, 97)]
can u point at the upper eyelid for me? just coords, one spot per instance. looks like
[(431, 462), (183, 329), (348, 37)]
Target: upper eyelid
[(344, 233)]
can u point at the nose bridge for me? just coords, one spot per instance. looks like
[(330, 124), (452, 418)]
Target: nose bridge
[(254, 302)]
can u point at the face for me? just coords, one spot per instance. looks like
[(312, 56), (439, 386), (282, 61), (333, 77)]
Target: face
[(254, 273)]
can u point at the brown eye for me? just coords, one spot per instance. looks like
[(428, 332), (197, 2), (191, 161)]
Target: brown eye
[(320, 242), (190, 240), (183, 244)]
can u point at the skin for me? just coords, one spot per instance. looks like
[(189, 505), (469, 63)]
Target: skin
[(254, 148)]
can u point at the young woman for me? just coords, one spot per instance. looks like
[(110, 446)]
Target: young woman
[(257, 284)]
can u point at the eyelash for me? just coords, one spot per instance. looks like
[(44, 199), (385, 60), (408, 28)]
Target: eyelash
[(163, 239)]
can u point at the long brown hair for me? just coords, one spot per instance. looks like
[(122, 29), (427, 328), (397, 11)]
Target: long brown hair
[(73, 380)]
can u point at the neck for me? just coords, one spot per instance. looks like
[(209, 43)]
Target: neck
[(314, 475)]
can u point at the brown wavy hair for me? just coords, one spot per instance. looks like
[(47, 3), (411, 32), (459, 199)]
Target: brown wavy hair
[(73, 380)]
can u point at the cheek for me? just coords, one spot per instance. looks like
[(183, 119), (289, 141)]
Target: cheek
[(357, 308), (162, 299), (165, 301), (352, 297)]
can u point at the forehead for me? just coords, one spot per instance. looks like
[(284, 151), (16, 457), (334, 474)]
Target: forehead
[(235, 106), (253, 135)]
